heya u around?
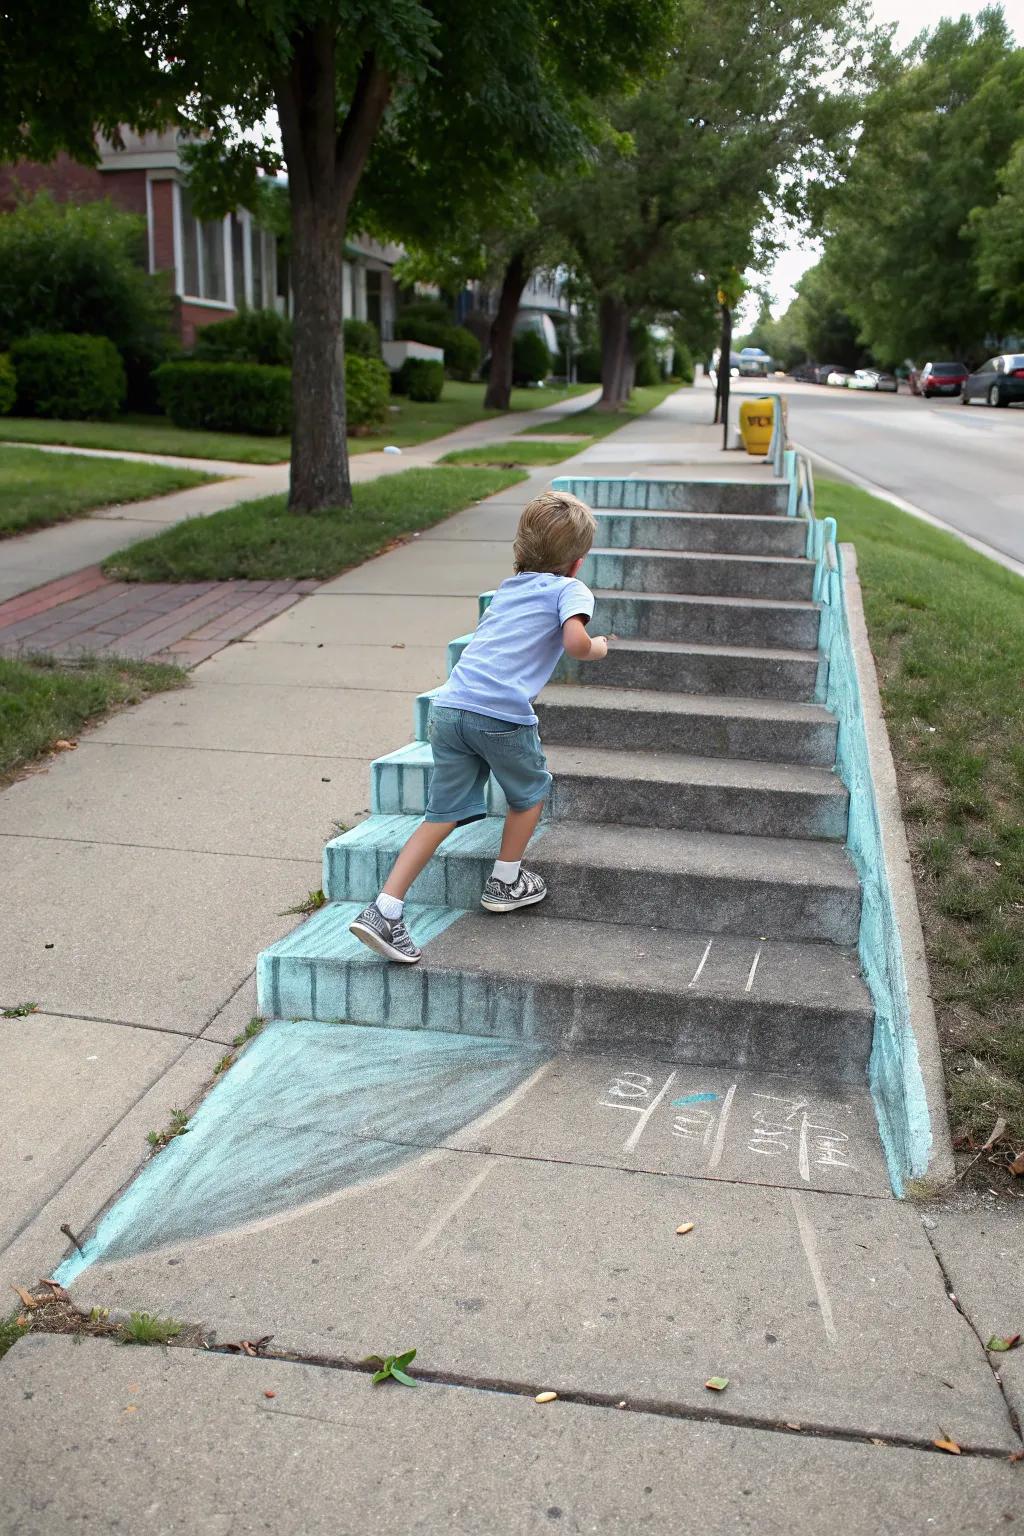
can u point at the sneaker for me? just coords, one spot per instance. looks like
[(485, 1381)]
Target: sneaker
[(388, 936), (524, 891)]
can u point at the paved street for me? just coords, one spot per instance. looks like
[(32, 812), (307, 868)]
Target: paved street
[(962, 464)]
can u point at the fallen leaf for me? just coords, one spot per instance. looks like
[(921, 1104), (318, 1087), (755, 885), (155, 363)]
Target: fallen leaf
[(687, 1226), (27, 1299), (24, 1321), (55, 1287), (269, 1394), (1017, 1166), (717, 1383), (878, 1442), (794, 1426), (132, 1408), (999, 1343), (545, 1397), (399, 645), (1016, 1456), (945, 1444), (64, 746), (998, 1132)]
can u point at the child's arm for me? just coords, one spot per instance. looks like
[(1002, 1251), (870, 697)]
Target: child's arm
[(581, 645)]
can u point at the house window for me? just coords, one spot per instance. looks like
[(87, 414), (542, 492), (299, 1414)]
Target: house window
[(238, 235), (203, 244), (374, 298)]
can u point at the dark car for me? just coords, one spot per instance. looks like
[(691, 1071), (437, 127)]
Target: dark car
[(941, 379), (997, 382), (823, 370)]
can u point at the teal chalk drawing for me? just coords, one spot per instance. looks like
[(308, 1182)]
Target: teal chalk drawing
[(309, 1110), (695, 1098)]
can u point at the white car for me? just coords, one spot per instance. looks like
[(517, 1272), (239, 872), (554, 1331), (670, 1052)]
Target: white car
[(838, 378), (863, 378)]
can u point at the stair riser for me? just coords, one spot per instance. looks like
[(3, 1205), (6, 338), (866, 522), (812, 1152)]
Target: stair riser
[(733, 498), (714, 534), (765, 741), (400, 789), (744, 677), (586, 893), (737, 1032), (699, 623), (702, 577)]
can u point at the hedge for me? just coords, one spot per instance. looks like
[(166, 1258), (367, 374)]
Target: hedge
[(8, 384), (361, 338), (367, 390), (227, 397), (531, 360), (460, 346), (420, 378), (251, 336), (73, 377)]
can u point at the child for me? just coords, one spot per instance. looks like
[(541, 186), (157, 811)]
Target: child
[(482, 721)]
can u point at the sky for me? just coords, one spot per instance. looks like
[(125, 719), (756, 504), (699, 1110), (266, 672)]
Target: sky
[(912, 16)]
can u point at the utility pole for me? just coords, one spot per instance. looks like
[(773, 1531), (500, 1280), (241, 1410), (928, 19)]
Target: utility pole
[(724, 368)]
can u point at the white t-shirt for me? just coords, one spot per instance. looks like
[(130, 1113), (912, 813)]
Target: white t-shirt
[(516, 646)]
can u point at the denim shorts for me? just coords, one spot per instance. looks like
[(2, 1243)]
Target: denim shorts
[(468, 748)]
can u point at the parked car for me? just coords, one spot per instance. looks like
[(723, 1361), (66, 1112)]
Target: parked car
[(839, 378), (873, 378), (914, 379), (822, 372), (805, 373), (941, 379), (887, 383), (997, 382)]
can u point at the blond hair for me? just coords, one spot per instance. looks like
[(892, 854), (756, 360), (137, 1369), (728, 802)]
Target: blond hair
[(555, 531)]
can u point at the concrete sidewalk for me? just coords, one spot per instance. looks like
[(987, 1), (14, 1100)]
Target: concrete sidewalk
[(533, 1248)]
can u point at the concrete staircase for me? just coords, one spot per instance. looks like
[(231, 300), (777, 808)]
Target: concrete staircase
[(702, 907)]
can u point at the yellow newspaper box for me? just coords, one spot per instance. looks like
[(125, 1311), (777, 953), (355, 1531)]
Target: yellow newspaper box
[(756, 420)]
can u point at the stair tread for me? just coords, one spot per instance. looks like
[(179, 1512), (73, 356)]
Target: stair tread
[(710, 556), (536, 947), (794, 604), (699, 517), (703, 648), (644, 700), (730, 856), (682, 768)]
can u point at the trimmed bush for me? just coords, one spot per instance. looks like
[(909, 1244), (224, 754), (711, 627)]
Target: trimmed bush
[(682, 362), (251, 336), (588, 366), (531, 360), (420, 378), (461, 353), (367, 390), (8, 384), (227, 397), (361, 339), (74, 377), (461, 348)]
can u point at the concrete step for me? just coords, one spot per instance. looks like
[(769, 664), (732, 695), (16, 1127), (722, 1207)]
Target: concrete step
[(689, 997), (747, 621), (648, 789), (644, 720), (776, 888), (714, 531), (700, 574), (734, 498)]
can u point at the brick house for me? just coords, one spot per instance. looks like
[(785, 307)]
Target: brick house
[(217, 265)]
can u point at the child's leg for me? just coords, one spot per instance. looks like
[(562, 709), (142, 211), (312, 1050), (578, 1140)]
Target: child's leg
[(416, 855), (519, 828), (510, 886)]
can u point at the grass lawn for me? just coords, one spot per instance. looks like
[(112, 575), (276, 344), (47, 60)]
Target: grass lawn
[(37, 489), (43, 701), (411, 421), (263, 541), (947, 630), (146, 434), (595, 423), (518, 450)]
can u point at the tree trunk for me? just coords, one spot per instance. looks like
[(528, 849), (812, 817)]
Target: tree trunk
[(724, 374), (503, 328), (617, 364)]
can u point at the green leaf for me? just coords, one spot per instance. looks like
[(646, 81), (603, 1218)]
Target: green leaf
[(400, 1375), (404, 1360), (717, 1383), (999, 1345), (381, 1375)]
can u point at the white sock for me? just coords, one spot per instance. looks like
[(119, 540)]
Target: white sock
[(390, 907), (506, 870)]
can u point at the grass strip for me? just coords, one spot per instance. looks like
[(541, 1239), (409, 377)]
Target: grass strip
[(594, 422), (413, 421), (39, 489), (517, 451), (947, 630), (263, 541), (146, 434), (44, 700)]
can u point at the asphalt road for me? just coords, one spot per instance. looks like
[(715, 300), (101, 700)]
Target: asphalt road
[(964, 465)]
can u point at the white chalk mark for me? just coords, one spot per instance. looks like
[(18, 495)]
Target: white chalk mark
[(490, 1115), (805, 1167), (453, 1210), (641, 1124), (703, 962), (753, 971), (809, 1238), (723, 1120)]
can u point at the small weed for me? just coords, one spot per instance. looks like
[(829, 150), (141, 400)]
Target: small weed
[(250, 1032), (99, 1314), (178, 1127), (11, 1330), (227, 1060), (144, 1328), (19, 1011), (313, 902), (393, 1366), (341, 827)]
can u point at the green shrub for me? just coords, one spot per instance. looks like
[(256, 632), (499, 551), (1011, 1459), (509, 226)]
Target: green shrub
[(461, 353), (361, 339), (461, 348), (251, 336), (74, 377), (420, 378), (531, 360), (8, 384), (80, 269), (227, 397), (367, 390), (647, 369), (682, 362), (588, 366)]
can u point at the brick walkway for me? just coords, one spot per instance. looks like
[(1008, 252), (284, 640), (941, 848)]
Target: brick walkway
[(184, 622)]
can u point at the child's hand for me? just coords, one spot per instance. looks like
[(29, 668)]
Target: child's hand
[(598, 648)]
